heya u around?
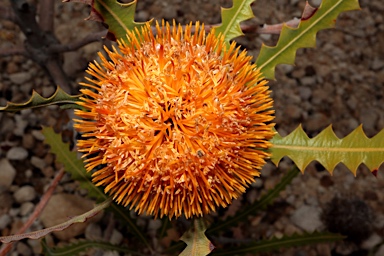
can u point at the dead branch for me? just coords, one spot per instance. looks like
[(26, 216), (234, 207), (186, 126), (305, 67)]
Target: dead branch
[(94, 37), (276, 28), (17, 50), (37, 42), (46, 15)]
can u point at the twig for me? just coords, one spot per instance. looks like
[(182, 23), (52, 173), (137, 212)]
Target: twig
[(94, 37), (25, 19), (39, 208), (60, 78), (37, 41), (16, 50), (276, 28), (46, 15)]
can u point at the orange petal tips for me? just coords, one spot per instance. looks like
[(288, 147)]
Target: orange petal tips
[(176, 123)]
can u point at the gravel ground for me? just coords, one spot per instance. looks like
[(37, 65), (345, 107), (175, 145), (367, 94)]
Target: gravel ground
[(340, 82)]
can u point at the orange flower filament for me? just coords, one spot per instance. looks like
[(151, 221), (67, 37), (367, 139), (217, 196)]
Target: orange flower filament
[(178, 124)]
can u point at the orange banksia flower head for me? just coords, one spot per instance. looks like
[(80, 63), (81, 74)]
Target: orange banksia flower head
[(176, 123)]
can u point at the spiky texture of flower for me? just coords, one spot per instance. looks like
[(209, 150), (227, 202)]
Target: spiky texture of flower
[(178, 124)]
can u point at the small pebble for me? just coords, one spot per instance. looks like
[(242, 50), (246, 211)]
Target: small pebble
[(307, 218), (7, 174), (25, 194), (12, 67), (38, 162), (380, 251), (23, 249), (48, 91), (5, 220), (293, 111), (93, 232), (308, 80), (28, 141), (305, 93), (35, 244), (368, 118), (20, 77), (377, 64), (21, 124), (13, 212), (26, 208), (154, 224), (37, 134), (111, 253), (48, 171), (28, 173), (371, 241), (70, 187), (6, 202), (142, 15), (116, 237), (17, 153), (316, 122)]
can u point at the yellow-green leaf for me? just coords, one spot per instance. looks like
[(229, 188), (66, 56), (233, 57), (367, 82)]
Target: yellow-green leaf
[(231, 18), (326, 148), (197, 243), (36, 100), (72, 164), (291, 39), (118, 16)]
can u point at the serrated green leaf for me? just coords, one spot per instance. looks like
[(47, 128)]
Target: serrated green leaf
[(43, 232), (291, 39), (75, 167), (36, 100), (197, 243), (120, 17), (258, 205), (72, 164), (326, 148), (231, 17), (275, 244), (82, 246)]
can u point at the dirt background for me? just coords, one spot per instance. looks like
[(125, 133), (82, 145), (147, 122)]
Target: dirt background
[(341, 82)]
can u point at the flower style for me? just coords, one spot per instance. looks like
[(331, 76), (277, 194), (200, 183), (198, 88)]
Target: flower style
[(178, 123)]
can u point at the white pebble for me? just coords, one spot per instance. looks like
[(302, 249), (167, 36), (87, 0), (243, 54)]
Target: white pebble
[(25, 194), (17, 153), (5, 220), (26, 208), (307, 218), (116, 237), (7, 174), (38, 162), (20, 78)]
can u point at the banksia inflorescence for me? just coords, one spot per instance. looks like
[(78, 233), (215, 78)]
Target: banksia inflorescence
[(178, 123)]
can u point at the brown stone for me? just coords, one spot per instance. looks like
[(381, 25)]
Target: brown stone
[(61, 208)]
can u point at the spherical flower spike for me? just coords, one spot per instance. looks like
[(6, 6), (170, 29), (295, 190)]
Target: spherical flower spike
[(177, 123)]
